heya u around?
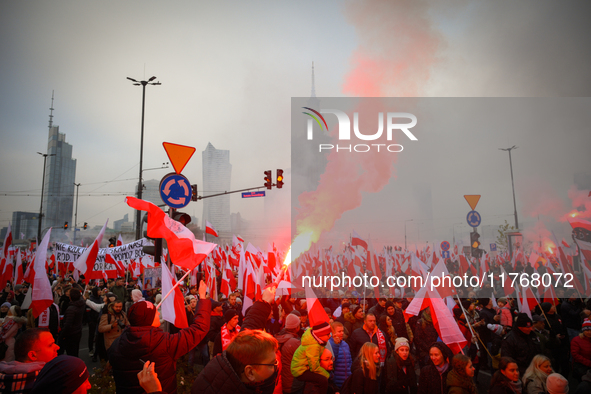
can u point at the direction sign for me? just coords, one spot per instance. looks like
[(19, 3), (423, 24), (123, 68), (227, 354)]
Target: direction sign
[(472, 200), (179, 155), (175, 190), (253, 194), (493, 247), (445, 254), (473, 218), (445, 246)]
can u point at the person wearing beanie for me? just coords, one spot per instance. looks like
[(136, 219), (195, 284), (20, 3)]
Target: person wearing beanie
[(581, 350), (434, 375), (556, 384), (521, 344), (400, 370), (228, 331), (459, 379), (145, 340), (289, 340), (305, 364), (62, 375), (342, 354), (354, 319)]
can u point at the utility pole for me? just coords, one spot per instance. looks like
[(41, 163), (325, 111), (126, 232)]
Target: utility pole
[(512, 185), (76, 212)]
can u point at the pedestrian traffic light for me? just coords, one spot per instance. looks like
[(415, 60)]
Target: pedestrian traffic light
[(475, 244), (85, 226), (268, 181), (279, 179), (65, 225), (193, 192), (182, 218)]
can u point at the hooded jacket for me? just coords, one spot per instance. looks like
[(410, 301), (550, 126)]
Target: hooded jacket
[(105, 326), (458, 384), (520, 347), (307, 357), (431, 380), (399, 381), (73, 316), (153, 344)]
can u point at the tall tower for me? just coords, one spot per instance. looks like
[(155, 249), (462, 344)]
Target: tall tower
[(217, 172), (60, 170)]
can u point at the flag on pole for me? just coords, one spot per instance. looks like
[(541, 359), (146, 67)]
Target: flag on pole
[(86, 261), (316, 313), (42, 297), (185, 251), (356, 240), (7, 242), (210, 230), (173, 308)]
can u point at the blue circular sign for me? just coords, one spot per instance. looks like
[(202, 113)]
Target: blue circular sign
[(175, 191), (445, 246), (473, 219)]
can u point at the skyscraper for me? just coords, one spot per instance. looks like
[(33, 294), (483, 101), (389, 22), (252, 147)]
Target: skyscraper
[(60, 170), (217, 172)]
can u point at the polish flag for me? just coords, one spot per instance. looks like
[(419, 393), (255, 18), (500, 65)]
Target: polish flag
[(210, 230), (185, 251), (565, 244), (7, 242), (7, 273), (119, 241), (173, 308), (464, 266), (356, 240), (18, 276), (238, 238), (316, 312), (528, 301), (225, 287), (445, 289), (86, 261), (42, 297), (120, 268), (508, 288)]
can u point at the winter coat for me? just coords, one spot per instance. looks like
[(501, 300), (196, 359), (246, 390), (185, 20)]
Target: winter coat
[(288, 343), (359, 337), (215, 326), (351, 324), (500, 384), (458, 384), (534, 386), (424, 338), (307, 357), (342, 361), (377, 311), (506, 316), (432, 381), (399, 323), (520, 347), (218, 376), (72, 323), (397, 380), (152, 344), (581, 350), (105, 326), (361, 382), (585, 386), (571, 315)]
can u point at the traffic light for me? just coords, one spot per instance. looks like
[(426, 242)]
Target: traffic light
[(65, 225), (475, 244), (268, 181), (85, 226), (194, 192), (182, 218), (279, 179), (112, 242)]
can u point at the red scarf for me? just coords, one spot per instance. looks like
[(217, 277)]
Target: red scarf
[(227, 336), (381, 343), (6, 326)]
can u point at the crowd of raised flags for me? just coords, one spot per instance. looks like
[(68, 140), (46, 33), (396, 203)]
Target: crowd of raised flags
[(256, 268)]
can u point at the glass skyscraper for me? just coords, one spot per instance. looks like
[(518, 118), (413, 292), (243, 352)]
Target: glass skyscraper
[(217, 172)]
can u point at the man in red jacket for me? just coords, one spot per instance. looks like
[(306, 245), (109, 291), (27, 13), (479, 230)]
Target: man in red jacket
[(144, 341)]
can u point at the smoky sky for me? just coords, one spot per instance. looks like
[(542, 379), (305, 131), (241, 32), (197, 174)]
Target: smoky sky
[(229, 70)]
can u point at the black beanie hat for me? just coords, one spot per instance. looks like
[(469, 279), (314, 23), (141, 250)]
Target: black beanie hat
[(141, 314), (356, 309), (229, 315), (546, 306), (389, 304), (62, 375), (523, 320)]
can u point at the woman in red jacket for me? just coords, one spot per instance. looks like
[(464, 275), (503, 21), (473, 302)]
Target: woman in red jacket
[(580, 348)]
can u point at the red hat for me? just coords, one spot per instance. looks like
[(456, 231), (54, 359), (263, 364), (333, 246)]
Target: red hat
[(141, 313), (586, 325)]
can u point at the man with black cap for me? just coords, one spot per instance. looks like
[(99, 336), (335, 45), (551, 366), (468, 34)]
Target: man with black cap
[(144, 340), (520, 344), (62, 375), (228, 331)]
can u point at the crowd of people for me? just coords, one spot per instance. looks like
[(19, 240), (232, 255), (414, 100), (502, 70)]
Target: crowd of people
[(366, 346)]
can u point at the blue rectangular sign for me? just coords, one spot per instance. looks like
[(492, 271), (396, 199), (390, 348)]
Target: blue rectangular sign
[(253, 194)]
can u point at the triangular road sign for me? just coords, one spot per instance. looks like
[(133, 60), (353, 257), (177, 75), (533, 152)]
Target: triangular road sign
[(472, 200), (179, 155)]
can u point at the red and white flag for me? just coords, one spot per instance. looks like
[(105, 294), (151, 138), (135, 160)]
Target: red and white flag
[(185, 251), (7, 242), (42, 297), (85, 262), (173, 308), (18, 276), (210, 230), (356, 240), (316, 312)]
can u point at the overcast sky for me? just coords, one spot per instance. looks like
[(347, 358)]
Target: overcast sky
[(228, 72)]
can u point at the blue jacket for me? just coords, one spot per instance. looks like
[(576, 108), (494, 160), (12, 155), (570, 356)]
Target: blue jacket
[(342, 361)]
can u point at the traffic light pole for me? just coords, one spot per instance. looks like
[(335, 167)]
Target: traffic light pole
[(231, 192)]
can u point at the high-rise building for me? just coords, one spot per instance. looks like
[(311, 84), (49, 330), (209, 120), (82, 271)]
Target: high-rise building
[(24, 224), (60, 175), (217, 172)]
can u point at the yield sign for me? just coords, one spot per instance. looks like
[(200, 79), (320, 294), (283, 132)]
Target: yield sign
[(179, 155), (472, 199)]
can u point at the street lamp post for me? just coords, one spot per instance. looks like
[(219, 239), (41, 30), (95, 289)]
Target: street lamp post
[(140, 185), (409, 220), (512, 185), (76, 212), (42, 189)]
